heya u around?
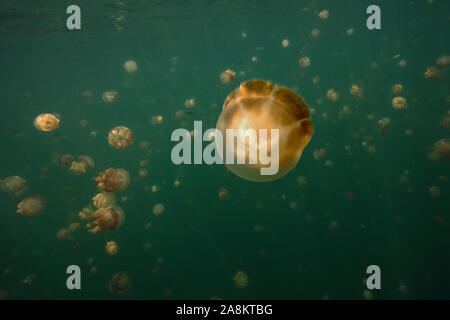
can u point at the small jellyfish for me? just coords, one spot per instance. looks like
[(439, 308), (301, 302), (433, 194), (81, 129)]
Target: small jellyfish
[(31, 206), (176, 183), (86, 213), (434, 191), (301, 181), (324, 14), (46, 122), (157, 119), (443, 61), (285, 43), (223, 194), (356, 91), (120, 137), (143, 173), (350, 32), (63, 233), (13, 184), (397, 88), (442, 148), (130, 66), (105, 219), (304, 62), (385, 122), (240, 279), (315, 33), (445, 121), (110, 96), (320, 154), (227, 76), (254, 59), (402, 63), (433, 73), (257, 105), (79, 167), (144, 145), (180, 114), (332, 95), (113, 180), (84, 123), (87, 95), (65, 160), (158, 209), (112, 248), (88, 161), (399, 102), (120, 283), (189, 103), (104, 200)]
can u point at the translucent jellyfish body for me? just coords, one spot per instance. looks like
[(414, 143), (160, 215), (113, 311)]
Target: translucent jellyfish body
[(120, 137), (14, 185), (105, 219), (46, 122), (120, 283), (257, 105), (112, 248), (104, 200), (31, 206), (227, 76), (442, 148), (113, 180)]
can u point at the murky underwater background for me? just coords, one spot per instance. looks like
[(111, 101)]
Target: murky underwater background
[(311, 234)]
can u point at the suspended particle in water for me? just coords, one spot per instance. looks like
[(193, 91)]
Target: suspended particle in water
[(240, 279), (130, 66), (120, 283), (46, 122), (105, 219), (110, 96), (227, 76), (304, 62), (158, 209), (31, 206), (113, 180), (399, 102), (112, 248), (301, 181), (120, 137)]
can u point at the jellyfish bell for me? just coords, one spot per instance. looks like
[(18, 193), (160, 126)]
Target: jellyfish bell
[(434, 73), (304, 62), (442, 148), (110, 96), (227, 76), (257, 105), (130, 66), (113, 180), (324, 14), (31, 206), (104, 200), (65, 160), (88, 161), (399, 102), (79, 167), (158, 209), (120, 283), (120, 137), (443, 61), (240, 279), (46, 122), (13, 184), (112, 248), (105, 219)]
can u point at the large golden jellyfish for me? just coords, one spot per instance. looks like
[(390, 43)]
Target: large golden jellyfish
[(259, 104), (31, 206), (120, 137), (113, 180), (46, 122), (105, 219)]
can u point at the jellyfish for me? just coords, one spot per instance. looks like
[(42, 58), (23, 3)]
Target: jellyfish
[(445, 121), (158, 209), (350, 32), (397, 88), (433, 73), (104, 200), (254, 59), (143, 173), (402, 63), (105, 219), (112, 248), (144, 145), (442, 148), (285, 43), (14, 185), (240, 279), (130, 66), (157, 119), (320, 154), (88, 161), (324, 14), (120, 137), (399, 102), (113, 180), (74, 226), (63, 233), (315, 33), (443, 61), (257, 105), (304, 62), (86, 213), (223, 194), (356, 91), (65, 160), (332, 95), (46, 122), (79, 167), (110, 96), (227, 76), (31, 206), (434, 191), (189, 103), (120, 283)]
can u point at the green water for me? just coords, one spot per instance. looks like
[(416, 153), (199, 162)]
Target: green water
[(200, 242)]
